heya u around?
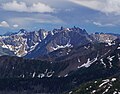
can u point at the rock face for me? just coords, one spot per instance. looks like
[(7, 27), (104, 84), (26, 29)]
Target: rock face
[(22, 42), (60, 38)]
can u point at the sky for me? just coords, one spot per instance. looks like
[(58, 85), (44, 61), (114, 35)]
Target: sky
[(92, 15)]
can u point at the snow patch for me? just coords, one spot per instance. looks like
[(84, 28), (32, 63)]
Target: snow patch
[(86, 47), (50, 74), (33, 47), (95, 82), (93, 91), (78, 60), (104, 82), (103, 62), (62, 46), (113, 79), (115, 92), (70, 92), (88, 64), (33, 75), (118, 48), (79, 67), (66, 75), (42, 75), (111, 43), (106, 90), (110, 58)]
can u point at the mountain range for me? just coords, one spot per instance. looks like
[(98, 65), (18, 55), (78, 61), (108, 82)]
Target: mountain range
[(62, 61), (39, 43)]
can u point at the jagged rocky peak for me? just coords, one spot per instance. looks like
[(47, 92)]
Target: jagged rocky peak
[(42, 33), (22, 31), (23, 41), (61, 38), (42, 41), (73, 36), (74, 29)]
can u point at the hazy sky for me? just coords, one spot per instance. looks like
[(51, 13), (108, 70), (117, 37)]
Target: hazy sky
[(93, 15)]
